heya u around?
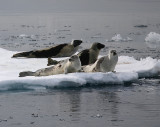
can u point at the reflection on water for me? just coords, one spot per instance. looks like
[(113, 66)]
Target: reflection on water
[(93, 104), (110, 106), (70, 101), (130, 106), (109, 100)]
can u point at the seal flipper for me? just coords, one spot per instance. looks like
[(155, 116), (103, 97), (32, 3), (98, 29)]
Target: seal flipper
[(23, 54), (52, 62), (26, 73)]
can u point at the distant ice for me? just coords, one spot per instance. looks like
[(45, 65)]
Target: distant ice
[(127, 70), (118, 38), (153, 40), (23, 36)]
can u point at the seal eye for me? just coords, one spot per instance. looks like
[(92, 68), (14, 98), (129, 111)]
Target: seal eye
[(114, 52), (70, 59)]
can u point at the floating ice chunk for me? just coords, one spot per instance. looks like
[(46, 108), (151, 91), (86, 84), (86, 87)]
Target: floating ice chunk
[(126, 60), (153, 40), (23, 36), (129, 39), (96, 36), (145, 68), (155, 71), (107, 40), (33, 37), (118, 38)]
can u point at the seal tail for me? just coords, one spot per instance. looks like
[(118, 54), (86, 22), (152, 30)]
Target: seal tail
[(26, 73), (22, 54), (52, 62)]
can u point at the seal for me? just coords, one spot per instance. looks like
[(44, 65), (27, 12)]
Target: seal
[(87, 56), (103, 64), (70, 65), (61, 50)]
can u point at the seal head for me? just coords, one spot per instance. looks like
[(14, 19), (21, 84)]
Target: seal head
[(97, 45), (76, 43), (89, 56)]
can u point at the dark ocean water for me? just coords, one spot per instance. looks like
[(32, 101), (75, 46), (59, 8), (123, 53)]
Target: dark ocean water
[(113, 105)]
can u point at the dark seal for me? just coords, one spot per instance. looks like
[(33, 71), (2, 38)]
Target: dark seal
[(61, 50)]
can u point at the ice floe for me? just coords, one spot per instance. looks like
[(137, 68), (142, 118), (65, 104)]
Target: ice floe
[(127, 70)]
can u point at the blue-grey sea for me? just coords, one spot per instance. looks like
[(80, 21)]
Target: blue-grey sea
[(127, 105)]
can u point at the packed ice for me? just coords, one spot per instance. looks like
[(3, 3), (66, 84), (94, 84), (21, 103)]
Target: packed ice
[(127, 70)]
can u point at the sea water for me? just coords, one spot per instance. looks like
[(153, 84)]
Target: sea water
[(127, 98)]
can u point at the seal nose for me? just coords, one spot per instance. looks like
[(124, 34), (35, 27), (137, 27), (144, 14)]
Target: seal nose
[(100, 46), (114, 52), (70, 59), (77, 42)]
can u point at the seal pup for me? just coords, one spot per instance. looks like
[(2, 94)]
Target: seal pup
[(89, 56), (103, 64), (61, 50), (70, 65)]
